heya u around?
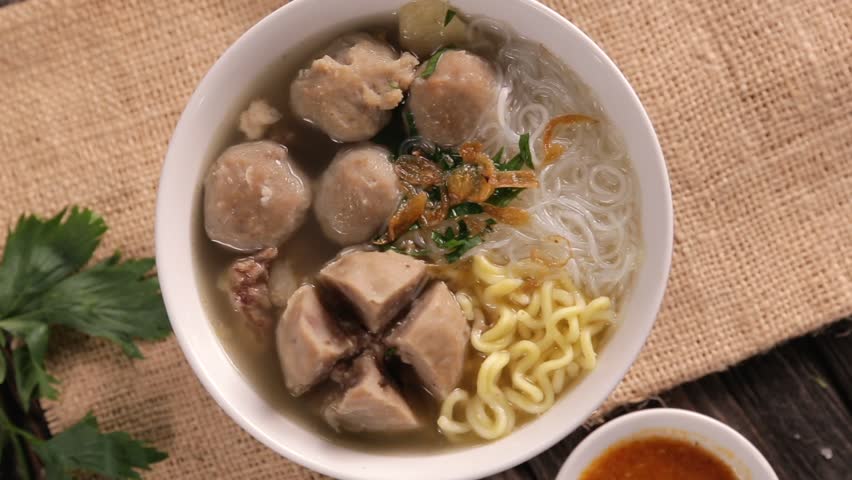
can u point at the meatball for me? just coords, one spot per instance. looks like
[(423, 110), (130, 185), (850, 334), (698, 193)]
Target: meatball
[(350, 92), (357, 194), (254, 197), (449, 104)]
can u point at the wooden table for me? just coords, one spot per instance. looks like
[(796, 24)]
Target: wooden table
[(794, 403)]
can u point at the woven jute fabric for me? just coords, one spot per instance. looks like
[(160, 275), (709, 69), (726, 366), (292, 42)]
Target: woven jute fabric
[(751, 101)]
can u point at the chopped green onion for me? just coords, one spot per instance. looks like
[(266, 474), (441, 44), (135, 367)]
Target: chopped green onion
[(450, 15), (503, 196), (432, 64), (467, 208)]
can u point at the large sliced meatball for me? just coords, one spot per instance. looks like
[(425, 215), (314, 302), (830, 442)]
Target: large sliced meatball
[(357, 194), (450, 102), (350, 92), (254, 197)]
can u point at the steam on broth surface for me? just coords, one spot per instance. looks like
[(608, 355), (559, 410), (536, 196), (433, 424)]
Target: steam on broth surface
[(447, 282)]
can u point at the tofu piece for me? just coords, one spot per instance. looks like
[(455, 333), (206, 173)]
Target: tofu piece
[(378, 284), (370, 403), (309, 341), (433, 339)]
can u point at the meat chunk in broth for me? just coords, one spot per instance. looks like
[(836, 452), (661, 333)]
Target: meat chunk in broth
[(357, 194), (257, 118), (370, 403), (254, 197), (433, 338), (248, 290), (349, 92), (449, 104), (309, 341), (378, 284)]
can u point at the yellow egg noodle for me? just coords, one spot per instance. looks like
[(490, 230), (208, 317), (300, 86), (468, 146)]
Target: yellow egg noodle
[(541, 339)]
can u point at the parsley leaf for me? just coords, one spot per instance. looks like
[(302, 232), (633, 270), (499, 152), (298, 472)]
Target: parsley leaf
[(31, 377), (112, 300), (41, 286), (432, 64), (40, 253), (84, 448)]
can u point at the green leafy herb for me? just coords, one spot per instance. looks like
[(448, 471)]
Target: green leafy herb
[(457, 243), (524, 147), (519, 161), (41, 285), (41, 253), (450, 15), (462, 209), (84, 448), (502, 197), (432, 64)]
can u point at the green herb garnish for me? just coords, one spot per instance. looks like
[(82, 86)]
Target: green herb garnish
[(432, 64), (502, 197), (519, 161), (450, 15), (84, 448), (457, 243), (467, 208), (41, 286)]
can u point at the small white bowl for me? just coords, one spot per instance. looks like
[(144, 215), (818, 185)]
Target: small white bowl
[(224, 91), (714, 436)]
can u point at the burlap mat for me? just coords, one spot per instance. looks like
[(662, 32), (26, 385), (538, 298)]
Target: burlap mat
[(752, 105)]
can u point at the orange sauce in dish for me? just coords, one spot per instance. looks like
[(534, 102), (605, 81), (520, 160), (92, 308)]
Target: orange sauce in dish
[(657, 458)]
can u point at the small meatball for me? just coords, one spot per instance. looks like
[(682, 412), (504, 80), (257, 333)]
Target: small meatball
[(350, 92), (257, 118), (449, 104), (248, 290), (357, 194), (254, 197)]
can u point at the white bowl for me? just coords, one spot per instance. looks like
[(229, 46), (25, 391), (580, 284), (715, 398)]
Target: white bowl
[(716, 437), (223, 91)]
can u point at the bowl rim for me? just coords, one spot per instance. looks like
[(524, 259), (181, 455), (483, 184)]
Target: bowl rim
[(171, 277), (695, 426)]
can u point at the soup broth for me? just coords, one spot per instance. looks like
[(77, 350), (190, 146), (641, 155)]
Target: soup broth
[(308, 249)]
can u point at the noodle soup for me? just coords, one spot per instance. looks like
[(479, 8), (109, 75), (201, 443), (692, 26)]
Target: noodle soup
[(432, 259)]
